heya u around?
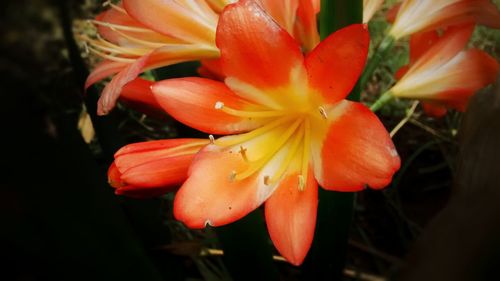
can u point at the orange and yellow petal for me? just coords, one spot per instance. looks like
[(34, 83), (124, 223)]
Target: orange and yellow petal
[(352, 149), (210, 196), (291, 217), (254, 48), (306, 28), (174, 18), (336, 63), (198, 103)]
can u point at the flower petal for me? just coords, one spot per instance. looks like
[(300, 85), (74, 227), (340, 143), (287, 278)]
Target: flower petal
[(282, 11), (306, 29), (352, 148), (138, 94), (139, 192), (209, 196), (121, 18), (193, 22), (164, 172), (192, 101), (104, 69), (291, 217), (421, 16), (450, 83), (213, 193), (335, 64), (254, 48), (163, 56)]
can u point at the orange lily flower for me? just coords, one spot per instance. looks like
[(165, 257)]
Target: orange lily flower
[(291, 126), (441, 73), (152, 168), (425, 15), (370, 7), (146, 34)]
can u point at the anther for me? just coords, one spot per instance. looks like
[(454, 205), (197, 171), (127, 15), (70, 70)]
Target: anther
[(219, 105), (243, 152), (266, 180), (232, 176), (212, 139), (322, 111), (302, 183)]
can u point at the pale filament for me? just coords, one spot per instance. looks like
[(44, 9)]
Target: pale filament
[(249, 114)]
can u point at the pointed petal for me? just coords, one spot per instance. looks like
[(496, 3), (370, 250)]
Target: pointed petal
[(139, 192), (306, 28), (209, 196), (291, 217), (102, 70), (193, 22), (211, 69), (444, 49), (111, 92), (163, 56), (352, 149), (192, 101), (282, 11), (450, 83), (421, 16), (420, 43), (138, 93), (121, 18), (254, 49), (164, 172), (335, 64)]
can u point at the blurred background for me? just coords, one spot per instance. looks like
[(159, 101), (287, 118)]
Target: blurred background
[(439, 220)]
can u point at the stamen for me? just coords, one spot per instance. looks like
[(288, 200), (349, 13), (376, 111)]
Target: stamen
[(257, 165), (266, 180), (237, 139), (121, 27), (232, 176), (244, 113), (302, 183), (243, 152), (212, 139), (110, 57), (290, 156), (322, 111), (306, 152)]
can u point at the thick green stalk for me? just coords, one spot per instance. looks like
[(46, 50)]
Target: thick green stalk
[(381, 53), (335, 209)]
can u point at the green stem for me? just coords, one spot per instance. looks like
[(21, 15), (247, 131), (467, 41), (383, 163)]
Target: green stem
[(381, 53), (382, 100)]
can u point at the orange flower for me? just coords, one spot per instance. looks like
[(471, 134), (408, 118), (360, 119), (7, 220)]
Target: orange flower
[(291, 126), (424, 15), (441, 73), (147, 34), (153, 168)]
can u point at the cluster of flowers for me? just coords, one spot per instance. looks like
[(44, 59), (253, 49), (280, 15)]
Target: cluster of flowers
[(278, 93)]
